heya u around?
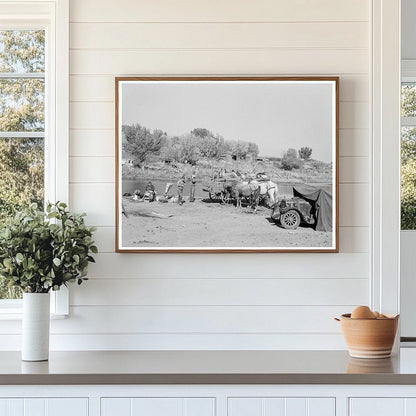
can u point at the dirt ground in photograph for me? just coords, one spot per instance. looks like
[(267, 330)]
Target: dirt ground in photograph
[(211, 225)]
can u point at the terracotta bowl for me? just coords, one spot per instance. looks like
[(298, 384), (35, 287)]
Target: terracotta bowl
[(369, 338)]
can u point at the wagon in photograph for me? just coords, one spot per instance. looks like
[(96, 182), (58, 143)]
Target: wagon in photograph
[(219, 189), (309, 206)]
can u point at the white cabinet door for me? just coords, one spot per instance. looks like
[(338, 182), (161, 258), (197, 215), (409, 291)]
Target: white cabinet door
[(377, 406), (160, 406), (44, 407), (281, 406)]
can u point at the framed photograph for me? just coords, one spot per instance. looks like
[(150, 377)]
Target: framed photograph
[(226, 164)]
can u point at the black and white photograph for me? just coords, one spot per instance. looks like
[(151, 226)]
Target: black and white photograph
[(227, 164)]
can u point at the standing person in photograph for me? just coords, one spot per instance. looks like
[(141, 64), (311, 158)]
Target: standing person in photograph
[(181, 185), (193, 184)]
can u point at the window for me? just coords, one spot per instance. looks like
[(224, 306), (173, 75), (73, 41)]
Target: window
[(22, 124), (408, 153), (33, 113)]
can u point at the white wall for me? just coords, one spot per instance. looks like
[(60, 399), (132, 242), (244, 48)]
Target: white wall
[(214, 301)]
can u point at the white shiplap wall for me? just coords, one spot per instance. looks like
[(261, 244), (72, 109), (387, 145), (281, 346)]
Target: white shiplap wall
[(249, 301)]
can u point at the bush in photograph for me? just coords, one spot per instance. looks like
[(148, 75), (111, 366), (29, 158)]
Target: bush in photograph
[(290, 160), (305, 153)]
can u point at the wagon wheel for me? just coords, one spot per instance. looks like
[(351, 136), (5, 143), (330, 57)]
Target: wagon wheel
[(214, 197), (290, 220)]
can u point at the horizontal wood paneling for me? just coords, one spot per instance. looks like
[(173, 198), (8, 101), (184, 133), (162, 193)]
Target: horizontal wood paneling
[(354, 205), (96, 143), (354, 239), (92, 169), (200, 319), (354, 142), (237, 62), (231, 266), (218, 11), (218, 291), (97, 200), (194, 319), (98, 88), (218, 35), (354, 170)]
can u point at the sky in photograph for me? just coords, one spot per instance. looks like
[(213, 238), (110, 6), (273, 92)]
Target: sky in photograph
[(276, 116)]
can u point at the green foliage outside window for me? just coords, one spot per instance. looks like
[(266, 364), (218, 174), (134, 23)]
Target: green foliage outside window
[(21, 110), (408, 160)]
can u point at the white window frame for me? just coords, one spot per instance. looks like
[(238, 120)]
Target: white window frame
[(53, 17), (408, 75), (385, 151)]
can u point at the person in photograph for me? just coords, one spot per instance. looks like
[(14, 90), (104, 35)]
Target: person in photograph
[(193, 185), (181, 185), (150, 191)]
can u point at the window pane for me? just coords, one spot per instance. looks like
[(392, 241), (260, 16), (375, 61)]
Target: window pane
[(22, 51), (408, 178), (22, 105), (409, 99), (21, 183), (22, 108)]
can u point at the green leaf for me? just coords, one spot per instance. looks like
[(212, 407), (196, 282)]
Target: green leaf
[(57, 262), (94, 249)]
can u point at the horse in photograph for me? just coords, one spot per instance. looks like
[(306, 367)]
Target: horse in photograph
[(268, 192), (248, 190)]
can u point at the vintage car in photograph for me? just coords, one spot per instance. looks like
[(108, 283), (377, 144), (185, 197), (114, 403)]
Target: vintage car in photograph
[(309, 206), (291, 212)]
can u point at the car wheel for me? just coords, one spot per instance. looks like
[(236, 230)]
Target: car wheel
[(290, 220)]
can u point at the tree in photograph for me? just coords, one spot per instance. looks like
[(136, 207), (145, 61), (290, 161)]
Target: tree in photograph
[(189, 149), (253, 149), (290, 160), (305, 153), (141, 143), (208, 143)]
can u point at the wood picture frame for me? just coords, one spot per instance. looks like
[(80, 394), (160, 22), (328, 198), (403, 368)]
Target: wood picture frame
[(189, 149)]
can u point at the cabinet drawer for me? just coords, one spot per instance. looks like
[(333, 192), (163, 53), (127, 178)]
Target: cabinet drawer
[(44, 407), (270, 406), (160, 406), (385, 406)]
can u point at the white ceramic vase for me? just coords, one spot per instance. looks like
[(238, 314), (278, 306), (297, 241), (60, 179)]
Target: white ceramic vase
[(35, 326)]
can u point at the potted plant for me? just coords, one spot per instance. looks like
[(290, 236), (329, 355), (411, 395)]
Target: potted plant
[(40, 252)]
